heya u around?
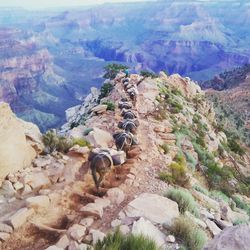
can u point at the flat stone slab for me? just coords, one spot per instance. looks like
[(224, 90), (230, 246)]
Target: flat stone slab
[(20, 217), (153, 207)]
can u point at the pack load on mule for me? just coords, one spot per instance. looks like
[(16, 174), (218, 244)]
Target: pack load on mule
[(125, 80), (129, 125), (102, 160), (124, 105), (124, 141), (128, 114)]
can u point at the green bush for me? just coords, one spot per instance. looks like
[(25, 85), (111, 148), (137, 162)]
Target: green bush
[(191, 160), (81, 142), (110, 104), (176, 107), (235, 147), (105, 90), (241, 204), (112, 69), (201, 190), (192, 237), (146, 73), (184, 200), (219, 195), (165, 148), (53, 142), (118, 241)]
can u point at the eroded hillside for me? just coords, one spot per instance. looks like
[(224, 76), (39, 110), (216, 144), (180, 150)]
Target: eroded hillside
[(180, 185)]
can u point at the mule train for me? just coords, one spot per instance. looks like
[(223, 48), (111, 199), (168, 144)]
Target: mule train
[(101, 161)]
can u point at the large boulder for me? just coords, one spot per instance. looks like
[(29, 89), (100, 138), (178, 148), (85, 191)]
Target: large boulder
[(147, 229), (20, 142), (231, 238), (153, 207), (99, 138)]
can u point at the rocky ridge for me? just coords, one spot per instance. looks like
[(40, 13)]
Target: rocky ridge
[(52, 204)]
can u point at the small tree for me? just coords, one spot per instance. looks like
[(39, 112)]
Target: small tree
[(112, 69), (105, 90)]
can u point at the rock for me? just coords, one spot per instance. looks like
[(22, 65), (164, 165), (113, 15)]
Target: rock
[(79, 150), (231, 238), (77, 232), (206, 200), (4, 236), (87, 222), (63, 242), (103, 202), (100, 109), (116, 223), (99, 138), (96, 235), (115, 195), (92, 209), (124, 229), (223, 224), (16, 136), (38, 180), (84, 247), (205, 214), (146, 228), (27, 190), (7, 188), (213, 228), (232, 216), (196, 220), (54, 247), (153, 207), (4, 228), (20, 217), (42, 162), (41, 201), (170, 239), (18, 185), (134, 153)]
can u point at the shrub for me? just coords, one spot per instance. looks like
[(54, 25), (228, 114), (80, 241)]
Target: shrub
[(53, 142), (111, 105), (241, 204), (176, 107), (146, 73), (105, 90), (235, 147), (193, 237), (112, 69), (118, 241), (191, 160), (201, 190), (81, 142), (219, 195), (165, 148), (184, 199)]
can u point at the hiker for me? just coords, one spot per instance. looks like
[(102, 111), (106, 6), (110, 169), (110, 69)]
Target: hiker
[(126, 72), (101, 163)]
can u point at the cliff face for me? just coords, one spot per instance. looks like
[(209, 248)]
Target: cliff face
[(20, 142)]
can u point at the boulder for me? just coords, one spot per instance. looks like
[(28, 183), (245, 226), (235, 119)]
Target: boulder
[(99, 138), (87, 222), (170, 239), (7, 188), (231, 238), (54, 247), (115, 195), (103, 202), (79, 150), (37, 180), (146, 228), (96, 235), (4, 236), (93, 209), (20, 217), (116, 223), (4, 228), (63, 242), (213, 228), (124, 229), (100, 109), (77, 232), (17, 142), (153, 207), (40, 201)]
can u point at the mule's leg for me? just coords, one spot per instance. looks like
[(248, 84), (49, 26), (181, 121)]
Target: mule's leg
[(94, 175)]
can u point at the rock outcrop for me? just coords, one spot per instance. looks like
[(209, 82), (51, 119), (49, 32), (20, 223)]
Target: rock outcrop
[(20, 142)]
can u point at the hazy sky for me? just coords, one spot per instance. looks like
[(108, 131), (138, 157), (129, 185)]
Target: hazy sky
[(40, 4)]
